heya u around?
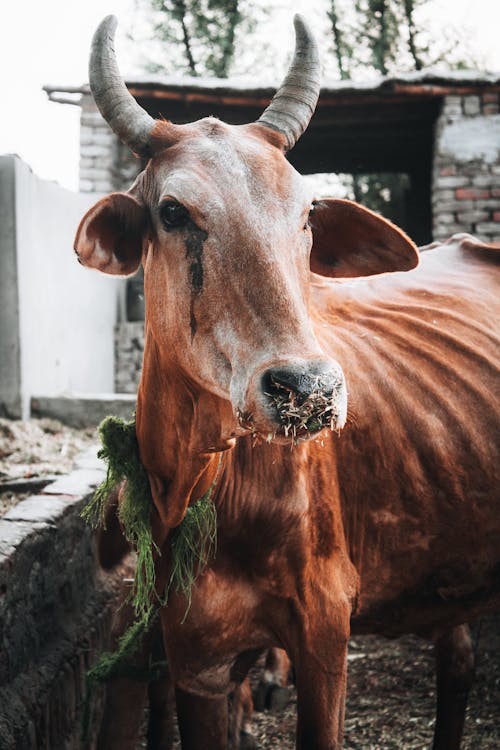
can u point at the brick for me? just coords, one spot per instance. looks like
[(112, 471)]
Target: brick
[(447, 207), (472, 217), (452, 107), (496, 215), (87, 173), (95, 150), (486, 181), (495, 193), (448, 171), (86, 131), (97, 138), (463, 194), (95, 174), (446, 230), (453, 114), (103, 186), (489, 227), (474, 168), (472, 105), (490, 97), (452, 182), (446, 218), (490, 109), (86, 186), (442, 195), (487, 205), (93, 118)]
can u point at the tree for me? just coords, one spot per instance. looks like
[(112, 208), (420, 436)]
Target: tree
[(384, 37), (390, 37), (205, 31)]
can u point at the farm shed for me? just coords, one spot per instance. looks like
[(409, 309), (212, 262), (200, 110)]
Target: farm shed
[(440, 130)]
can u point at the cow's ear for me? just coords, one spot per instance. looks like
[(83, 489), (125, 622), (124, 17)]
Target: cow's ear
[(349, 240), (111, 234)]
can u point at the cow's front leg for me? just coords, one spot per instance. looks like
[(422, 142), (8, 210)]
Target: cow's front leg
[(455, 673), (321, 673), (203, 722)]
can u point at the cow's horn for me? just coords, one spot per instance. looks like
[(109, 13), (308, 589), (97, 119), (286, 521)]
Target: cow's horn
[(128, 120), (293, 104)]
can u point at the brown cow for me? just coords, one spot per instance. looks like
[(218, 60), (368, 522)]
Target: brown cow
[(391, 518)]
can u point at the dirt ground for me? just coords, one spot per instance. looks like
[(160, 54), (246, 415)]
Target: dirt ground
[(33, 450), (391, 697)]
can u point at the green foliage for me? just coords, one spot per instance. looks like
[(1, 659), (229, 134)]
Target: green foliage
[(121, 453), (390, 37), (193, 542), (342, 48), (117, 664), (385, 37), (193, 545), (204, 29)]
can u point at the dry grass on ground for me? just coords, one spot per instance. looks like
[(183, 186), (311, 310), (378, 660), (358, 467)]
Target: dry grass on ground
[(391, 697), (33, 449)]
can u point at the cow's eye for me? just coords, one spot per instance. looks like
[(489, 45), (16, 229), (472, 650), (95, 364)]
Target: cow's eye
[(173, 215)]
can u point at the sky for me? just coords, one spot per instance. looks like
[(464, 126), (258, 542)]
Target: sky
[(48, 43)]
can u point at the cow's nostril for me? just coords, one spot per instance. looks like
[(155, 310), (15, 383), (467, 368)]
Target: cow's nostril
[(303, 398), (290, 384)]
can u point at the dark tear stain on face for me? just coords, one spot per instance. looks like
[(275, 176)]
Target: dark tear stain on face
[(195, 237)]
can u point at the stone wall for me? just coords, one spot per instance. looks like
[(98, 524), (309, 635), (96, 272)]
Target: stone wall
[(129, 349), (55, 614), (466, 175), (105, 163)]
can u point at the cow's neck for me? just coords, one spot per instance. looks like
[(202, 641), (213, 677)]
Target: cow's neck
[(179, 429)]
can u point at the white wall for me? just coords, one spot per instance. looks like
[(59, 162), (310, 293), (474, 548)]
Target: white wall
[(67, 313)]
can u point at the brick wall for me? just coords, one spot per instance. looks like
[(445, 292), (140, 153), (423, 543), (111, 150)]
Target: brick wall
[(466, 175), (105, 163), (129, 349)]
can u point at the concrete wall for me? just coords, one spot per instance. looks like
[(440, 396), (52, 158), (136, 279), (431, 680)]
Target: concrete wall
[(10, 346), (466, 176), (129, 350), (57, 322)]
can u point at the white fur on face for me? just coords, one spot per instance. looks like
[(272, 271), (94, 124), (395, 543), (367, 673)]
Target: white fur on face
[(252, 309)]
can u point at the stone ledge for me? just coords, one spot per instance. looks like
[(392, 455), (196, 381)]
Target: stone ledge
[(79, 482), (55, 612), (83, 410)]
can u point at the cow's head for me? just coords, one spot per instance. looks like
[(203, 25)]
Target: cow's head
[(227, 232)]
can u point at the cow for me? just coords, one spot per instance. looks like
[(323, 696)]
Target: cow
[(337, 398)]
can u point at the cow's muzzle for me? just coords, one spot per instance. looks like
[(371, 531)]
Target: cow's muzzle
[(296, 400)]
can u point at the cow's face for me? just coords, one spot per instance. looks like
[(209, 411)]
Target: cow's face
[(224, 227)]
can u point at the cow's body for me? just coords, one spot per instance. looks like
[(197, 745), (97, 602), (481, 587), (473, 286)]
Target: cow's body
[(419, 467), (387, 518), (407, 491)]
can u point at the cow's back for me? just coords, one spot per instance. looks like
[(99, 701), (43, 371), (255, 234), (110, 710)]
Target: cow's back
[(418, 462)]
